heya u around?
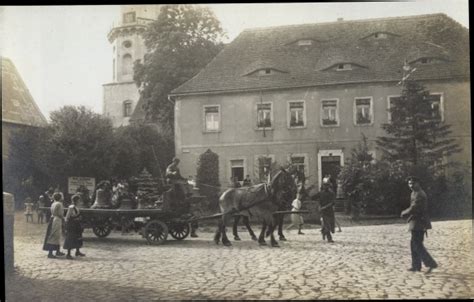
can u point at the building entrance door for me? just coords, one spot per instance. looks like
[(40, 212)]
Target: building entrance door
[(331, 166)]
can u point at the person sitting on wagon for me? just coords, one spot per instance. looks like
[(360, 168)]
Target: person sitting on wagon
[(174, 178)]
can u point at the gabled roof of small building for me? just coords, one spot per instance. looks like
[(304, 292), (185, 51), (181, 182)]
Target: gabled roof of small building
[(18, 106), (374, 57)]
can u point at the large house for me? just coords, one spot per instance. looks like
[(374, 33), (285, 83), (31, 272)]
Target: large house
[(306, 93)]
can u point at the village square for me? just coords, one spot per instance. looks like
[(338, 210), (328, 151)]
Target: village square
[(312, 158)]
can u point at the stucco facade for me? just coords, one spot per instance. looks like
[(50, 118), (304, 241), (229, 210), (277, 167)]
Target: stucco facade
[(239, 139), (316, 88)]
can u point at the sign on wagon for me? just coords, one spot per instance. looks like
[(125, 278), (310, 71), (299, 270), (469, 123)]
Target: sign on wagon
[(75, 182)]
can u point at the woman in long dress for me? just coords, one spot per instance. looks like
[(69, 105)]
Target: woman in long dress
[(54, 232), (73, 229)]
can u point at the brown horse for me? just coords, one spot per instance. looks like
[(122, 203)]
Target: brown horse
[(262, 200)]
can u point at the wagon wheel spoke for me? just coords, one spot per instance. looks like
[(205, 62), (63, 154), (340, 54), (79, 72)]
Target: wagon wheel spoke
[(179, 230), (102, 228), (156, 232)]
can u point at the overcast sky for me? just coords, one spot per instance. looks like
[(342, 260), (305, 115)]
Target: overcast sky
[(64, 57)]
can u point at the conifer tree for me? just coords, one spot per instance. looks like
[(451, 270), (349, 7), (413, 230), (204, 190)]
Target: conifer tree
[(148, 189), (416, 134)]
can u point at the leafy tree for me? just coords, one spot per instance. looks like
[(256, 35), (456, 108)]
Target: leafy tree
[(137, 146), (180, 43), (79, 142), (21, 174), (416, 133)]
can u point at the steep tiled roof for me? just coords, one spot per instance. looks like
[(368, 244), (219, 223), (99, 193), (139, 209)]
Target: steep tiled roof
[(407, 38), (18, 105)]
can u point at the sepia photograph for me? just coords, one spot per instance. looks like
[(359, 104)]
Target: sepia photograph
[(239, 151)]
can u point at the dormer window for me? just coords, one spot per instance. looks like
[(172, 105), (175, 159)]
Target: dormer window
[(344, 66), (426, 60), (380, 36), (266, 71), (305, 42)]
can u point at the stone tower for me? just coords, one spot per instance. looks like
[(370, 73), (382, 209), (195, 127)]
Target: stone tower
[(121, 95)]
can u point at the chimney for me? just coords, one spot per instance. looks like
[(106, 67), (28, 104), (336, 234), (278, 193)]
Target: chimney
[(340, 19)]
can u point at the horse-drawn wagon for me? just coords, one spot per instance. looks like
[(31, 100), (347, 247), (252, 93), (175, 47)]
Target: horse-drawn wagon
[(153, 224), (170, 213)]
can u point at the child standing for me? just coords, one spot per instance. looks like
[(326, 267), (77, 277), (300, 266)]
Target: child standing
[(40, 212), (28, 209), (296, 219)]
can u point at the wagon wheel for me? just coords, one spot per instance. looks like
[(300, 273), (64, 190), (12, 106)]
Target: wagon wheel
[(102, 229), (156, 232), (179, 230)]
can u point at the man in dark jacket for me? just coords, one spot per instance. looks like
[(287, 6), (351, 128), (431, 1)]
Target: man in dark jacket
[(326, 199), (418, 223)]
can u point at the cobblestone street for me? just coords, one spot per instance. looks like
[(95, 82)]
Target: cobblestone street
[(365, 262)]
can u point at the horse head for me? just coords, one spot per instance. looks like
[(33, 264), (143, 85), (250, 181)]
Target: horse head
[(283, 186)]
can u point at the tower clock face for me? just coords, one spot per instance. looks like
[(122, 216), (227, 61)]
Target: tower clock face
[(127, 44)]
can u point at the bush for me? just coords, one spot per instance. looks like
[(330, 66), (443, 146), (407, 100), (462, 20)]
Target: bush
[(207, 178)]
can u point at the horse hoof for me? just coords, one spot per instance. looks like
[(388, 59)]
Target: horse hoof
[(216, 241), (254, 238), (227, 243), (237, 238), (282, 238), (262, 243), (275, 245)]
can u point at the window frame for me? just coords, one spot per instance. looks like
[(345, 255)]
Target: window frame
[(124, 104), (389, 115), (306, 161), (441, 103), (288, 115), (205, 130), (125, 70), (125, 15), (271, 116), (256, 166), (244, 166), (321, 113), (371, 111)]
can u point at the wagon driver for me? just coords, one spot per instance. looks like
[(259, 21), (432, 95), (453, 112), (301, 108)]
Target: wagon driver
[(174, 178)]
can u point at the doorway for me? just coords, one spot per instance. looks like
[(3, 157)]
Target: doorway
[(329, 164)]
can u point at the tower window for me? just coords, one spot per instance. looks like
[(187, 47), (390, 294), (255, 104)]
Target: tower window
[(127, 44), (129, 17), (127, 108), (127, 64)]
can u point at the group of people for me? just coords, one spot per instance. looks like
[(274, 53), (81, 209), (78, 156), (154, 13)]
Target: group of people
[(417, 214), (69, 225), (44, 201)]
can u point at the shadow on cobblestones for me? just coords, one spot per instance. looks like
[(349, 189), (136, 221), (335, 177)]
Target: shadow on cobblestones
[(67, 290)]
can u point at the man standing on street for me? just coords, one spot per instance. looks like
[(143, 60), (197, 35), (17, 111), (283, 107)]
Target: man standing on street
[(419, 222)]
